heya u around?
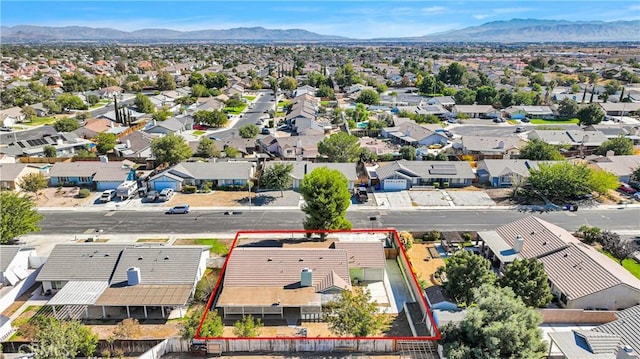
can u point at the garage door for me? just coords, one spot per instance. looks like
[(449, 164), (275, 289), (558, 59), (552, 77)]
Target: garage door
[(160, 185), (394, 184)]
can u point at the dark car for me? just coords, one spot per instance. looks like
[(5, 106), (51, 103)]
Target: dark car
[(626, 188), (152, 196)]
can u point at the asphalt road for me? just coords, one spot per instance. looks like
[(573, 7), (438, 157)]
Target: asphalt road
[(262, 105), (125, 222)]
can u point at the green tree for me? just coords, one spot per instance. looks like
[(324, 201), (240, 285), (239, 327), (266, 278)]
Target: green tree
[(66, 124), (170, 149), (216, 80), (620, 146), (602, 181), (215, 118), (538, 150), (561, 181), (63, 339), (69, 101), (84, 153), (231, 152), (486, 95), (29, 113), (162, 114), (93, 99), (567, 108), (326, 92), (288, 83), (529, 281), (277, 176), (33, 182), (199, 90), (212, 326), (590, 115), (340, 147), (467, 271), (326, 195), (247, 327), (207, 148), (465, 97), (408, 153), (196, 78), (50, 151), (588, 234), (248, 131), (618, 247), (452, 74), (354, 313), (499, 325), (165, 81), (143, 104), (105, 142), (368, 97), (191, 322)]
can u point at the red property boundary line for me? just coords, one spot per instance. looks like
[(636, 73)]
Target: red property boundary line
[(413, 277)]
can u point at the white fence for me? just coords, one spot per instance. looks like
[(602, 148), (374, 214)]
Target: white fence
[(169, 345)]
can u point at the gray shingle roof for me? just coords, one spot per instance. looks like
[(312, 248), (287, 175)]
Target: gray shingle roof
[(6, 256), (10, 171), (212, 170), (81, 262), (626, 327)]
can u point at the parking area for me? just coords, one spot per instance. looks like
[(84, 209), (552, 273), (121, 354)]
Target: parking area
[(398, 199), (470, 198), (429, 198)]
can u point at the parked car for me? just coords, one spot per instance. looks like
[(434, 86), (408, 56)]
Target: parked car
[(498, 120), (165, 194), (626, 188), (142, 191), (5, 129), (152, 196), (108, 195), (635, 184), (179, 209), (526, 119), (200, 127), (520, 129), (265, 131)]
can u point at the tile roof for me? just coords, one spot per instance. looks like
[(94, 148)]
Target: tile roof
[(7, 254), (367, 254), (627, 327), (91, 262), (540, 237)]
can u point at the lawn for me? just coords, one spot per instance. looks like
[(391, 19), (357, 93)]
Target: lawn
[(249, 97), (37, 121), (325, 103), (216, 246), (235, 110), (554, 122), (283, 103), (629, 264), (198, 133)]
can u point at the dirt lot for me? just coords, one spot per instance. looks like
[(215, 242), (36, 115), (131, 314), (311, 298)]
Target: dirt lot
[(424, 268), (61, 197), (217, 198)]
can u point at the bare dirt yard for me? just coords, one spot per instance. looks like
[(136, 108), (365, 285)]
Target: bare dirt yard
[(422, 261), (60, 197), (214, 199)]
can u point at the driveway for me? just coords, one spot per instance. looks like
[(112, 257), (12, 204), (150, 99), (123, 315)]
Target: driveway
[(429, 198), (399, 199), (470, 198)]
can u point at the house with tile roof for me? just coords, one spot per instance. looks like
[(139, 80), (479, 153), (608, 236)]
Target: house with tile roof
[(504, 172), (580, 277), (220, 174), (621, 166), (121, 280), (301, 168), (403, 174)]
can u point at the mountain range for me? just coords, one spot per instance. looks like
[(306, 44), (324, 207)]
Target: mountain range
[(516, 30)]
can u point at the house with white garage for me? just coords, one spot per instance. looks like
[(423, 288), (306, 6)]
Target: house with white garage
[(403, 174), (219, 174), (121, 280), (580, 277), (476, 111), (302, 168), (482, 147), (413, 134)]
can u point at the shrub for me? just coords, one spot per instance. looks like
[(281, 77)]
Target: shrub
[(189, 189), (206, 187), (466, 236), (84, 193), (407, 239), (432, 236)]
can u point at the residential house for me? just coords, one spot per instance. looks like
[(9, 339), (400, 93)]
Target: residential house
[(434, 110), (293, 147), (12, 173), (271, 281), (306, 89), (413, 134), (109, 92), (121, 280), (476, 111), (482, 147), (65, 143), (246, 146), (621, 166), (620, 108), (302, 168), (11, 116), (169, 126), (235, 90), (208, 104), (18, 266), (506, 172), (82, 173), (586, 141), (219, 174), (110, 177), (539, 112), (445, 101), (41, 110), (403, 174), (580, 277), (135, 144)]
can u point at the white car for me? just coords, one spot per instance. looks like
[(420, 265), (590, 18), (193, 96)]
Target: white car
[(108, 195)]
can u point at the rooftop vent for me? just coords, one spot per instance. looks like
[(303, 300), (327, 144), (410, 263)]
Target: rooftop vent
[(133, 276), (269, 259), (140, 258), (166, 258), (518, 243), (306, 277)]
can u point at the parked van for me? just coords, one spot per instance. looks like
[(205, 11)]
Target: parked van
[(107, 196), (179, 209), (165, 194)]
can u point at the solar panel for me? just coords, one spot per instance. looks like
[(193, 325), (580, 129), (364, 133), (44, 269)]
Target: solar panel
[(21, 144), (32, 143)]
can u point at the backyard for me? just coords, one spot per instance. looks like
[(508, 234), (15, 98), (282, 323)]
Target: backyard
[(629, 264), (425, 261)]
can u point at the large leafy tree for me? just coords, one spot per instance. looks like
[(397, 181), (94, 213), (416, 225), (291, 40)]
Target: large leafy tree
[(565, 181), (408, 153), (207, 148), (452, 74), (105, 142), (18, 216), (170, 149), (499, 325), (288, 83), (69, 101), (33, 182), (216, 80), (590, 115), (66, 124), (326, 195), (50, 151), (368, 97), (354, 313), (63, 339), (620, 146), (486, 95), (277, 176), (214, 118), (618, 247), (340, 147), (165, 81), (465, 97), (143, 104), (248, 131), (466, 271), (538, 150), (529, 281), (567, 108)]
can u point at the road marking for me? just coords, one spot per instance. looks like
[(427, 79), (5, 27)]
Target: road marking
[(110, 214)]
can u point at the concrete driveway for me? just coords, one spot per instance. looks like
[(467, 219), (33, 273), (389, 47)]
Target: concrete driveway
[(400, 199), (429, 198), (470, 198)]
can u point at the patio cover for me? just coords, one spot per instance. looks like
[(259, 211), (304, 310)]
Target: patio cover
[(79, 293)]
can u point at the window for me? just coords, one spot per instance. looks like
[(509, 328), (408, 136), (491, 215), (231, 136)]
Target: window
[(563, 299)]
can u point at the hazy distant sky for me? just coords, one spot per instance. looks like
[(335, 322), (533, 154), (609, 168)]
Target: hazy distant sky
[(355, 19)]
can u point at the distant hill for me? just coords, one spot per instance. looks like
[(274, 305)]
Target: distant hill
[(79, 33), (516, 30), (529, 30)]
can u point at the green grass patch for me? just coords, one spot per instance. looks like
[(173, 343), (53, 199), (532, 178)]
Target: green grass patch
[(98, 105), (215, 246), (152, 240), (554, 122), (283, 103), (513, 122), (280, 113), (37, 121), (249, 97), (629, 264), (235, 110), (198, 133), (325, 103)]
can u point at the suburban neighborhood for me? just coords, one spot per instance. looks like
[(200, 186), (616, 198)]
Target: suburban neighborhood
[(184, 200)]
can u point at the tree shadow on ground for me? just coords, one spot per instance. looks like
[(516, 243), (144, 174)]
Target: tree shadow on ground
[(258, 200)]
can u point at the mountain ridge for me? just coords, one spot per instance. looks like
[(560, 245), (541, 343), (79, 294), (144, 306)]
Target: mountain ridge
[(514, 30)]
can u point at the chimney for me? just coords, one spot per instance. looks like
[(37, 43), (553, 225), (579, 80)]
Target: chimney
[(518, 243), (128, 143), (306, 277), (627, 352), (133, 276)]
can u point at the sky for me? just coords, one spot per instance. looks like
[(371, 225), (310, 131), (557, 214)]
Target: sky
[(354, 19)]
